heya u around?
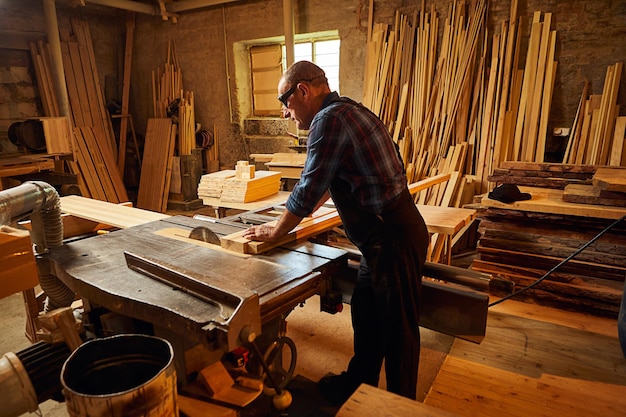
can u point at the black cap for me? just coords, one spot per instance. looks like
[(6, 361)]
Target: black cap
[(508, 193)]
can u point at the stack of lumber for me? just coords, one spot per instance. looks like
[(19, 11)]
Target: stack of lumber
[(40, 53), (545, 175), (245, 190), (229, 187), (524, 240), (466, 86), (211, 185), (154, 183), (608, 189), (94, 148), (598, 132), (167, 83)]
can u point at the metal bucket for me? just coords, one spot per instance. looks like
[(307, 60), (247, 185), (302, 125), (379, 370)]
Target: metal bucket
[(121, 376)]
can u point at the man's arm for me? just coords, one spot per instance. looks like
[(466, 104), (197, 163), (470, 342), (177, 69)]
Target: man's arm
[(267, 233), (285, 224)]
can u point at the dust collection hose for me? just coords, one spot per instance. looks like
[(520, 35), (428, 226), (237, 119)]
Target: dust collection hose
[(41, 201)]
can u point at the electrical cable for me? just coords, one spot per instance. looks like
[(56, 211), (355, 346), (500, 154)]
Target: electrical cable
[(563, 262)]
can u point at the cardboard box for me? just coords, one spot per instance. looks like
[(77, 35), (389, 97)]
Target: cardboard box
[(18, 268)]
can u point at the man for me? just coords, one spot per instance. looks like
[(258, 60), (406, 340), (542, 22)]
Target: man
[(352, 158)]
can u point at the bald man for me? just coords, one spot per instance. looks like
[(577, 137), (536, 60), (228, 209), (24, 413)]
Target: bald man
[(352, 158)]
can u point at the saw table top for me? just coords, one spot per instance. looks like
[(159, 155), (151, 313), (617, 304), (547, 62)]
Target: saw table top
[(96, 269)]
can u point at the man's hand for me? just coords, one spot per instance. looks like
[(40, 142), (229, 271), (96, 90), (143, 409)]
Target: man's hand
[(269, 233), (262, 233)]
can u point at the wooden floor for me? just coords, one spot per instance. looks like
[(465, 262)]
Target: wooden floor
[(535, 361)]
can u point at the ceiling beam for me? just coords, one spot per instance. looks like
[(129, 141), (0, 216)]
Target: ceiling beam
[(172, 7), (133, 6), (185, 5)]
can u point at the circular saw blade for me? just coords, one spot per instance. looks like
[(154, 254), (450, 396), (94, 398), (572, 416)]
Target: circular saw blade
[(204, 234)]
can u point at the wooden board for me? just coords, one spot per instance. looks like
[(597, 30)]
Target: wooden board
[(156, 165), (107, 213), (19, 269), (611, 179), (546, 200), (368, 401), (323, 219), (588, 194), (192, 407)]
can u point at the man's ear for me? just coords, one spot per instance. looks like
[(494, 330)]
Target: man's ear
[(304, 89)]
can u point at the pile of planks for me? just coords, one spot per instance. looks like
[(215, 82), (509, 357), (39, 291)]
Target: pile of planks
[(524, 240), (608, 189), (229, 187), (167, 83), (466, 87), (598, 132), (40, 53), (94, 146)]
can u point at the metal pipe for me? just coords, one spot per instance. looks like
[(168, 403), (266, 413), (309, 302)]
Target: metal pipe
[(60, 88), (42, 202)]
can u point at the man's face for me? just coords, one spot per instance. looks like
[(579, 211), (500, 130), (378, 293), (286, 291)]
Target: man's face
[(295, 103)]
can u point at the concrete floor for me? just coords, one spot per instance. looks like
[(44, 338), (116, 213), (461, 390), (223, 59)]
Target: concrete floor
[(323, 342)]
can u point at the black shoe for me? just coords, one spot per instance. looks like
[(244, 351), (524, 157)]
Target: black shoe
[(336, 389)]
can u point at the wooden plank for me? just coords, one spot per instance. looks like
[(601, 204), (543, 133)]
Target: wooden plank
[(617, 148), (104, 212), (551, 201), (546, 100), (192, 407), (588, 194), (158, 152), (169, 160), (368, 401), (323, 219), (611, 179), (128, 56)]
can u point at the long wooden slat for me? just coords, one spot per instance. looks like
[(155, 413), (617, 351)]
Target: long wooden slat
[(617, 148), (104, 212), (157, 157)]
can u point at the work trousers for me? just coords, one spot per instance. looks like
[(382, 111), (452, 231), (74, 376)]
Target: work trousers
[(385, 302)]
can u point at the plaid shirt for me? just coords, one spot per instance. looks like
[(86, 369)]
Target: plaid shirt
[(347, 141)]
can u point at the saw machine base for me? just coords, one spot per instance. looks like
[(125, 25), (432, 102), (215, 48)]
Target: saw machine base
[(153, 278)]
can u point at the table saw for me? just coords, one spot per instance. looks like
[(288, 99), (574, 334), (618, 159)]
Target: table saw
[(192, 290)]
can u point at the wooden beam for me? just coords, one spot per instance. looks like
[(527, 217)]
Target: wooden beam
[(128, 57)]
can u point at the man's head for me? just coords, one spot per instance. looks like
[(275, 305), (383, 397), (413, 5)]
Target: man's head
[(301, 90)]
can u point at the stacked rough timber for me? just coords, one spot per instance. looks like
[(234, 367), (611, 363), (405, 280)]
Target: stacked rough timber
[(524, 240)]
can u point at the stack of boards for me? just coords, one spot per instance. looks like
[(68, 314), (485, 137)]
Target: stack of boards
[(226, 186), (608, 189)]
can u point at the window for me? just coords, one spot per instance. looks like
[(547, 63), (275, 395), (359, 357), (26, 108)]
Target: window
[(268, 62), (323, 53)]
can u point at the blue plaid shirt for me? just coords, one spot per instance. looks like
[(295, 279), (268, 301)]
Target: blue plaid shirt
[(347, 141)]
